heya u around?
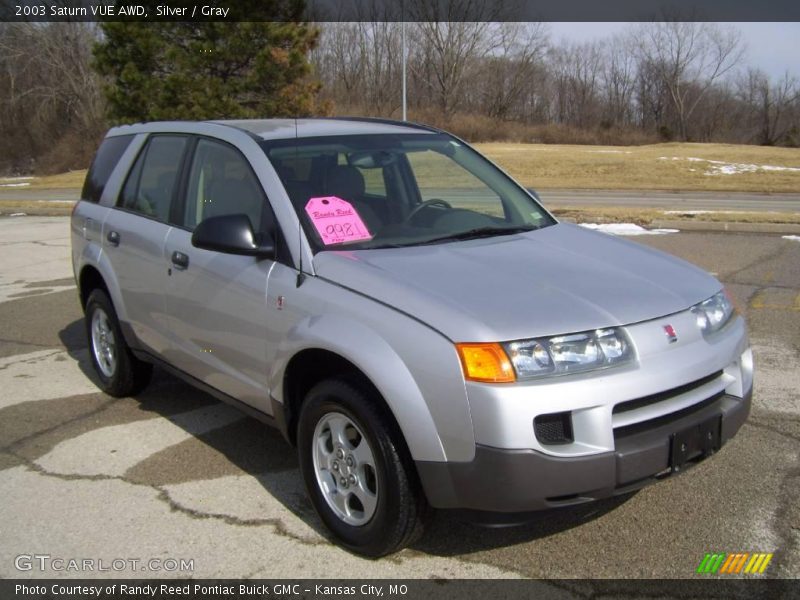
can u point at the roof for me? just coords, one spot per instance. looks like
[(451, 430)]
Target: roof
[(274, 129)]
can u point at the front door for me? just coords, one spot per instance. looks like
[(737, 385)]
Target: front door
[(215, 302)]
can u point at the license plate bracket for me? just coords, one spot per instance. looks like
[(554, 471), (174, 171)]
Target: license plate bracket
[(695, 442)]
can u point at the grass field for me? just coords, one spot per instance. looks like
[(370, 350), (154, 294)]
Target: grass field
[(69, 180), (682, 167), (679, 167), (646, 216), (689, 167)]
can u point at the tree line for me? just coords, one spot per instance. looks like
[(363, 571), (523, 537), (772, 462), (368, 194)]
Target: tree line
[(63, 84), (659, 81)]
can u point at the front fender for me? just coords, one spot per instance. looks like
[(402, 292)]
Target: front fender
[(423, 391)]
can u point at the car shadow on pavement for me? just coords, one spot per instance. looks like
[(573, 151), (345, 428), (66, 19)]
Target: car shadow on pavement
[(453, 533), (244, 446), (73, 337)]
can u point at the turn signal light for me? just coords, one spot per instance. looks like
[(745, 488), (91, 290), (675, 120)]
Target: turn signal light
[(487, 363)]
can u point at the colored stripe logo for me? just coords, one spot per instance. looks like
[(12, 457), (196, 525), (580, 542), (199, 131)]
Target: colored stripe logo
[(735, 563)]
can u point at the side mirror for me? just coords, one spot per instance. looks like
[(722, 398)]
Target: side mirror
[(231, 234)]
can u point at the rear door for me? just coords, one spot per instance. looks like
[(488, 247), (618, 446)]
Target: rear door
[(135, 231), (215, 302)]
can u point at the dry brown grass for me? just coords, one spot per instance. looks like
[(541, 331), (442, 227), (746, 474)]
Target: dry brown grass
[(36, 207), (68, 180), (646, 216), (561, 166), (643, 168)]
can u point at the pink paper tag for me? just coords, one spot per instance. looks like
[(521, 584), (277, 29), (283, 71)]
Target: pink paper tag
[(336, 221)]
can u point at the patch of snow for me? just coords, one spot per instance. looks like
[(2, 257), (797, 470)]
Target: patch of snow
[(15, 178), (727, 212), (14, 184), (20, 214), (719, 167), (608, 151), (794, 238), (626, 229)]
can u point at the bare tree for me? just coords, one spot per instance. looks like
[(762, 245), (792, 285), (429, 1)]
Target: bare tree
[(770, 104), (689, 58), (505, 74), (575, 72), (48, 90), (619, 82)]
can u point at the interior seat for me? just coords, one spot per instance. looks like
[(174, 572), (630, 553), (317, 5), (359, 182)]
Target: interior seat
[(347, 183)]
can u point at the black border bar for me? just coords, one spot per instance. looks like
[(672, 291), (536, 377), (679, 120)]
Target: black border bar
[(387, 589), (400, 10)]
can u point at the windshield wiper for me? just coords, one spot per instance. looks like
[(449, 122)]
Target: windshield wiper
[(478, 232)]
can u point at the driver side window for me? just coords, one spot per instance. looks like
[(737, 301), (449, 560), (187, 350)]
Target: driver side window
[(439, 177), (221, 182)]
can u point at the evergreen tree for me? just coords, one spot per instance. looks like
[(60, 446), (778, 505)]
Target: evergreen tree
[(210, 69)]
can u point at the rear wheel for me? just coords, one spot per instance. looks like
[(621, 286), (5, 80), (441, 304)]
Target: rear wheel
[(120, 372), (357, 471)]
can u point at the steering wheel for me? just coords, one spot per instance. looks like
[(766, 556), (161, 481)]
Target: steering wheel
[(425, 204)]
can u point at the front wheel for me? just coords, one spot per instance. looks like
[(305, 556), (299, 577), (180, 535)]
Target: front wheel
[(358, 474), (120, 372)]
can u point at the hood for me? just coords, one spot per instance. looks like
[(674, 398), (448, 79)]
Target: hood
[(560, 279)]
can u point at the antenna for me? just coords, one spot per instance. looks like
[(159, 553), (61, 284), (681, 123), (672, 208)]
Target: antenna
[(301, 276)]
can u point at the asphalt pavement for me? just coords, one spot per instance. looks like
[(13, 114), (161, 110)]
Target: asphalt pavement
[(175, 475)]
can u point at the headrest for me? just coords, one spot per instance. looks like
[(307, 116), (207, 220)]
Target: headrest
[(346, 182)]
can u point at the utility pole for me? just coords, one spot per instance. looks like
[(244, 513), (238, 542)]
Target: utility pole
[(403, 26)]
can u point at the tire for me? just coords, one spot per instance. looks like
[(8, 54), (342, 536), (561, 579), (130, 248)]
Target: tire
[(121, 373), (394, 515)]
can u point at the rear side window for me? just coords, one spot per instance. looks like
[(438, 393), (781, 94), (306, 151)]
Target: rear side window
[(152, 181), (105, 160)]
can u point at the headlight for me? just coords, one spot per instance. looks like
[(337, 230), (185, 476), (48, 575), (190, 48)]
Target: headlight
[(572, 353), (714, 313)]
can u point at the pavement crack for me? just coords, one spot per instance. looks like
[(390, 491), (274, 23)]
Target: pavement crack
[(760, 425), (10, 448), (777, 253), (22, 343), (162, 494), (30, 360), (787, 498)]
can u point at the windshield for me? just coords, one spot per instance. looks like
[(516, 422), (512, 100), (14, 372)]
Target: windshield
[(386, 191)]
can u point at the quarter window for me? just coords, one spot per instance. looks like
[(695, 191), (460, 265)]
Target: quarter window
[(105, 160), (152, 181), (221, 183)]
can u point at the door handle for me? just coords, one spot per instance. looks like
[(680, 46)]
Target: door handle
[(113, 238), (180, 260)]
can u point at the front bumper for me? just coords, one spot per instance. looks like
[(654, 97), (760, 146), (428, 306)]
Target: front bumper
[(510, 481)]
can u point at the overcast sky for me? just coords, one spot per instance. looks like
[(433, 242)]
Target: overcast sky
[(774, 47)]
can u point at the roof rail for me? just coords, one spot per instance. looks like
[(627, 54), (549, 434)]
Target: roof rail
[(411, 124)]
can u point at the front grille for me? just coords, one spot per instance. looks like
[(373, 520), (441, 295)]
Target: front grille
[(628, 430), (623, 407), (555, 428)]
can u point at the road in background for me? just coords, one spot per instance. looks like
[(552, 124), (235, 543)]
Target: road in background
[(175, 474), (717, 201)]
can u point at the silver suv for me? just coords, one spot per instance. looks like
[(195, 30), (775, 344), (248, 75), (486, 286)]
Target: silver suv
[(409, 317)]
